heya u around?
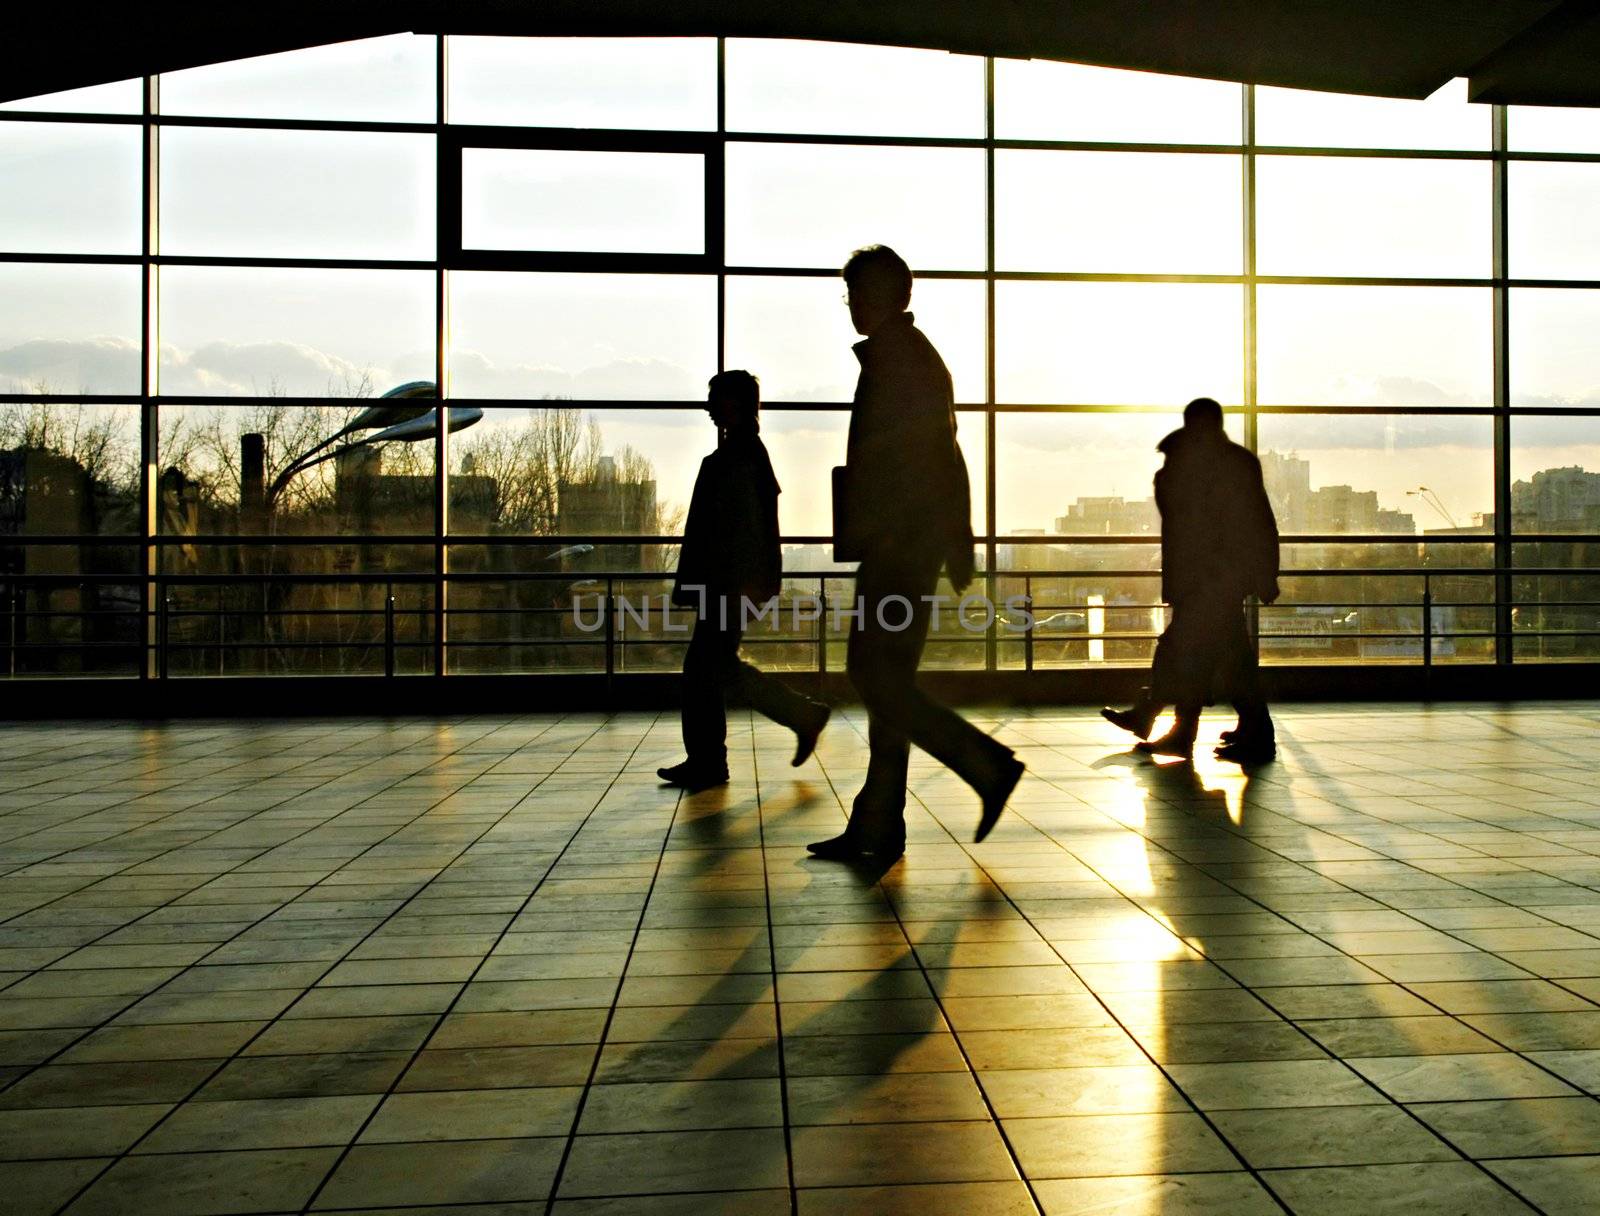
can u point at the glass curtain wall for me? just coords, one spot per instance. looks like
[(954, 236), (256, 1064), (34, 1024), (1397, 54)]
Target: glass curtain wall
[(232, 294)]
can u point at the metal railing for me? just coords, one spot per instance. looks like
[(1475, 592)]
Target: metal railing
[(614, 622)]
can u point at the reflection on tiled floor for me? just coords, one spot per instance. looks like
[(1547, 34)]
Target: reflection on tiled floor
[(488, 965)]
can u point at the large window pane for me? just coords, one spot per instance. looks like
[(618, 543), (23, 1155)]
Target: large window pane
[(1553, 129), (1121, 212), (836, 88), (641, 83), (795, 334), (1374, 345), (69, 329), (1552, 212), (553, 200), (1555, 360), (67, 469), (1092, 606), (1038, 99), (1302, 118), (1080, 474), (1555, 474), (119, 97), (585, 336), (358, 487), (324, 194), (1118, 343), (372, 80), (1339, 605), (1555, 603), (1351, 215), (1366, 473), (237, 332), (811, 204), (70, 187)]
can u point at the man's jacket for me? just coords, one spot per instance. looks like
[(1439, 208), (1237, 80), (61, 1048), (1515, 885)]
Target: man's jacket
[(730, 539), (1218, 534), (906, 479)]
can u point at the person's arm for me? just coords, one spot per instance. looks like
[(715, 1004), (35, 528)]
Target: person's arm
[(1263, 533)]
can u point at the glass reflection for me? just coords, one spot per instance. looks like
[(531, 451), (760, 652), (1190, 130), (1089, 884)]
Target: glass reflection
[(324, 194), (1120, 212), (1374, 345), (68, 329), (646, 337), (70, 187)]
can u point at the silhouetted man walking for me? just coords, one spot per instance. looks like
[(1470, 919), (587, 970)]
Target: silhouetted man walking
[(905, 514), (1219, 544), (729, 559)]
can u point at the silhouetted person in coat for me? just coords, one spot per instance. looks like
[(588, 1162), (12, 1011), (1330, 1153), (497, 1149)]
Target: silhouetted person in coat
[(907, 511), (730, 564), (1219, 545)]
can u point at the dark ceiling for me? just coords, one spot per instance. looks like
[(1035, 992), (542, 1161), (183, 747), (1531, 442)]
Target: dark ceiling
[(1534, 51)]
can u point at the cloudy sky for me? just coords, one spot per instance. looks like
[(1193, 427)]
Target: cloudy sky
[(231, 332)]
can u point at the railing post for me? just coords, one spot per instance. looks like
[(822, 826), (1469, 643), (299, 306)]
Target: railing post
[(163, 630), (1427, 622), (12, 633), (608, 607), (822, 629), (1027, 636), (388, 630)]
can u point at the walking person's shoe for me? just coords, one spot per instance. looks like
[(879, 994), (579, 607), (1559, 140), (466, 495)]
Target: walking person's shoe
[(1179, 741), (1243, 748), (836, 848), (807, 733), (694, 777), (996, 794), (1138, 719)]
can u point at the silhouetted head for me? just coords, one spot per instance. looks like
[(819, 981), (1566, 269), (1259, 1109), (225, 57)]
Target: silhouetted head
[(1203, 414), (734, 400), (879, 283)]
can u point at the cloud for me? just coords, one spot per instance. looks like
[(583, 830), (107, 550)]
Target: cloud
[(474, 375), (234, 369), (90, 365)]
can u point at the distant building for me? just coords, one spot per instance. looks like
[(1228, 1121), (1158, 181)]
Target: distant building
[(1326, 509), (1557, 500), (607, 505), (1109, 516)]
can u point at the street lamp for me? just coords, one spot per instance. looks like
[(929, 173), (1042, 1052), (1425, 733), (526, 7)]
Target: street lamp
[(399, 422)]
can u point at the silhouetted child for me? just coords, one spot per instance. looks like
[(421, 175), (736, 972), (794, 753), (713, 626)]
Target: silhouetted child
[(729, 559)]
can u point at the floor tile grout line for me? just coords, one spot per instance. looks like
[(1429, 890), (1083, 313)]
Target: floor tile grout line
[(1221, 966), (777, 998), (88, 1031), (148, 824), (273, 1021), (439, 1018), (175, 899), (1405, 985), (977, 1080), (622, 979)]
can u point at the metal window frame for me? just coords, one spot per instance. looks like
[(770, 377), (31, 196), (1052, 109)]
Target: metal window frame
[(452, 139)]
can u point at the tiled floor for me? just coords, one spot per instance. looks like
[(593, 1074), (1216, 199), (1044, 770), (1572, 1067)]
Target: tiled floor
[(488, 965)]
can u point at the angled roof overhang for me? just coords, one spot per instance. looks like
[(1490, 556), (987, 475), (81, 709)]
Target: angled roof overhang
[(1532, 50)]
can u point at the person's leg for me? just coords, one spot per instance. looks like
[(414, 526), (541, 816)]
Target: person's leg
[(901, 709), (882, 664), (777, 701), (1255, 736), (704, 720), (1185, 669)]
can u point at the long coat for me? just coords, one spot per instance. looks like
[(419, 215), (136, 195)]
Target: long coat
[(905, 475), (730, 538), (1218, 534)]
